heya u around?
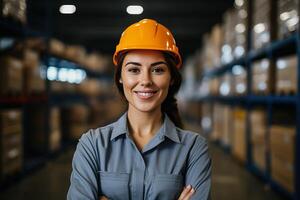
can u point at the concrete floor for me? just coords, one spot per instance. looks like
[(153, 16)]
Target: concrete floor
[(229, 181)]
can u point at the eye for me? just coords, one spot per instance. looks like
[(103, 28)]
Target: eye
[(134, 70), (158, 70)]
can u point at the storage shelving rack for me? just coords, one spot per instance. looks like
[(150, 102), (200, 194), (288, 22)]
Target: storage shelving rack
[(274, 50), (47, 99)]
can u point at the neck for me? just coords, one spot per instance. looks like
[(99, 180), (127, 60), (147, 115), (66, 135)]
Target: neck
[(144, 124)]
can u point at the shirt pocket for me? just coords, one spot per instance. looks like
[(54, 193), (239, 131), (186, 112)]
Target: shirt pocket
[(167, 187), (114, 185)]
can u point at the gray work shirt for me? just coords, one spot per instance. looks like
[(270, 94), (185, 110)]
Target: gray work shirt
[(107, 162)]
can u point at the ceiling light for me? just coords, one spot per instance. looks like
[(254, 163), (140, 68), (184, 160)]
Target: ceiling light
[(239, 3), (67, 9), (134, 10), (259, 28)]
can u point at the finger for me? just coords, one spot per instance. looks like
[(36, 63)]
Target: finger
[(103, 198), (185, 191), (190, 194)]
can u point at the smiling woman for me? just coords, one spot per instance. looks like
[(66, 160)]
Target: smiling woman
[(145, 154)]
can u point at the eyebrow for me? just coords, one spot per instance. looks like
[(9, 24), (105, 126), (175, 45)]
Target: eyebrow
[(153, 64)]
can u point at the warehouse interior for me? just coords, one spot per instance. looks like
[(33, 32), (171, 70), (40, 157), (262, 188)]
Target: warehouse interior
[(240, 88)]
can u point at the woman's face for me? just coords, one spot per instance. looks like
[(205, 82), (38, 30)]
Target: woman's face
[(146, 78)]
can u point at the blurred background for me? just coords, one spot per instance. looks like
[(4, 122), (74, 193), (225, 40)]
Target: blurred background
[(240, 88)]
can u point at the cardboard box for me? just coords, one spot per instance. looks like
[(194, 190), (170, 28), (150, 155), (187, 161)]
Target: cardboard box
[(261, 30), (11, 76), (263, 77), (226, 85), (10, 118), (283, 173), (227, 135), (56, 47), (282, 142), (15, 9), (33, 81), (241, 29), (288, 17), (239, 80), (78, 113), (90, 87), (55, 140), (75, 53), (239, 134), (76, 130), (259, 156), (286, 75), (258, 124), (218, 111), (214, 86)]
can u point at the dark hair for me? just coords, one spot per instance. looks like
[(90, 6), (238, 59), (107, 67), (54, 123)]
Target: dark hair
[(169, 105)]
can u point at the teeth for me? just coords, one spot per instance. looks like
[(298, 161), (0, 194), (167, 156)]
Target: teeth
[(146, 94)]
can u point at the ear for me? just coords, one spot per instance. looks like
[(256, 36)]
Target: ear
[(121, 81)]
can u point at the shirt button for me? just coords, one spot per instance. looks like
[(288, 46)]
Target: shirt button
[(161, 137)]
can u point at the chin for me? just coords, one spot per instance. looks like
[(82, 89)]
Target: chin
[(146, 108)]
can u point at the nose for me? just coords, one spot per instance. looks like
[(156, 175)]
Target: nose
[(146, 79)]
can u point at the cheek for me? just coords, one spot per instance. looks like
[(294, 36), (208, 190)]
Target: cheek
[(129, 83), (163, 83)]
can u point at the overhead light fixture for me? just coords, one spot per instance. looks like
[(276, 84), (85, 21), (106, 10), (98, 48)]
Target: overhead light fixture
[(67, 9), (134, 10)]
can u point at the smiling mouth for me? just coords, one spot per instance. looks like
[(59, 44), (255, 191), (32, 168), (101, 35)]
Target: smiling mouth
[(145, 95)]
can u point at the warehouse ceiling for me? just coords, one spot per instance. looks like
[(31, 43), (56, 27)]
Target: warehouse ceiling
[(98, 24)]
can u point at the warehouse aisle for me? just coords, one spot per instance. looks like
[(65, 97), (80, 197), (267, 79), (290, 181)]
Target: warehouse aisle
[(230, 181)]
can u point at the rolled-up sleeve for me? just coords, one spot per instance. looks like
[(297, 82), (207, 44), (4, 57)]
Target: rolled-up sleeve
[(199, 170), (84, 184)]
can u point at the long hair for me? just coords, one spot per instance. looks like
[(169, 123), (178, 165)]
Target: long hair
[(169, 105)]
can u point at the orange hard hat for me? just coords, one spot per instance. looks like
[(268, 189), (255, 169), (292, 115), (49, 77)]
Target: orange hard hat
[(147, 34)]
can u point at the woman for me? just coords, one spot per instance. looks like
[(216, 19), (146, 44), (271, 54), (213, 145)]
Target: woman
[(145, 154)]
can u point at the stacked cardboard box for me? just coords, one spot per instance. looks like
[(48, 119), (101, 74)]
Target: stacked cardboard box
[(286, 75), (33, 81), (11, 145), (227, 126), (91, 87), (288, 17), (261, 30), (214, 86), (74, 121), (216, 45), (11, 76), (230, 21), (239, 80), (282, 141), (218, 111), (263, 76), (258, 124), (241, 28), (56, 47), (15, 9), (75, 53), (55, 131), (226, 85), (239, 134)]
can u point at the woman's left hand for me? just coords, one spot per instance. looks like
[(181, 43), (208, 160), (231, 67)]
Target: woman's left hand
[(186, 193), (103, 198)]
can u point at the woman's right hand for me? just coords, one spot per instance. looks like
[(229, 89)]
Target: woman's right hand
[(103, 198), (186, 193)]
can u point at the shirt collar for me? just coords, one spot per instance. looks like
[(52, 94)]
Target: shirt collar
[(169, 129)]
